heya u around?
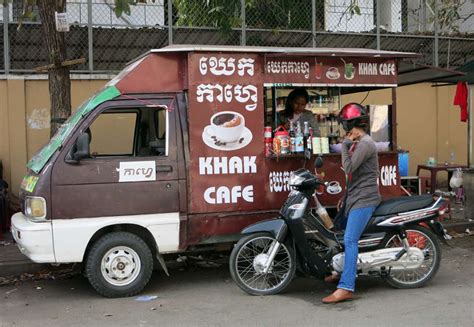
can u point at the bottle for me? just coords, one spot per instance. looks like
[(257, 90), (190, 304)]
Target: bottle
[(292, 138), (268, 140), (309, 141), (323, 214), (299, 143), (305, 134)]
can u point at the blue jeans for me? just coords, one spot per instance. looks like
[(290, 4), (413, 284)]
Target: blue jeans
[(356, 222)]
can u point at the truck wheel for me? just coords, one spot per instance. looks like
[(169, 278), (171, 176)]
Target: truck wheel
[(119, 264)]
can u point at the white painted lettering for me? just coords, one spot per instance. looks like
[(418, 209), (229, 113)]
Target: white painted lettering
[(205, 166), (224, 195), (220, 165), (249, 165), (235, 165)]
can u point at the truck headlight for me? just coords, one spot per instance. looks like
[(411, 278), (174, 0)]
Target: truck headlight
[(35, 208)]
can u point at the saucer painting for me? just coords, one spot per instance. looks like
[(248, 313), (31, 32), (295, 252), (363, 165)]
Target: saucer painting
[(333, 73), (211, 140)]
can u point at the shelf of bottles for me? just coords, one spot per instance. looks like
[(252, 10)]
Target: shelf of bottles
[(325, 104)]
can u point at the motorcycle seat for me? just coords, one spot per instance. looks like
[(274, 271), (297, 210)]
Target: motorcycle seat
[(403, 204)]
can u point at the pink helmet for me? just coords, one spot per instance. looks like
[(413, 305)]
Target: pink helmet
[(353, 115)]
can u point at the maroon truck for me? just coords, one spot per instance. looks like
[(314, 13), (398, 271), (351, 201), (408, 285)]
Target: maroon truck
[(170, 156)]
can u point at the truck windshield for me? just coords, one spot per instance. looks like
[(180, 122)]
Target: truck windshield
[(39, 160)]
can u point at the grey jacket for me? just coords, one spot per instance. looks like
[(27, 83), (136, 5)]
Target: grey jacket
[(362, 169)]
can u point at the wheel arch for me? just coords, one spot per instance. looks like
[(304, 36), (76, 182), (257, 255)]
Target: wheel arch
[(138, 230)]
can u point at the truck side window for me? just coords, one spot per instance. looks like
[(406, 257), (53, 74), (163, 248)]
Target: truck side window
[(113, 134)]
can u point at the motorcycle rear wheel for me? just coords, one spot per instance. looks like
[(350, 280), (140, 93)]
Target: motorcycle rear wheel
[(425, 240), (243, 265)]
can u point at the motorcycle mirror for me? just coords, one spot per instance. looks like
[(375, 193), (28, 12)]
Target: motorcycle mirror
[(318, 163)]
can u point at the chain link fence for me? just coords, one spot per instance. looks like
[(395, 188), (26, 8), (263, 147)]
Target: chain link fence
[(442, 30)]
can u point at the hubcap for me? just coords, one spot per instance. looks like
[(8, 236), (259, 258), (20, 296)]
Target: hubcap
[(259, 262), (120, 266), (427, 256)]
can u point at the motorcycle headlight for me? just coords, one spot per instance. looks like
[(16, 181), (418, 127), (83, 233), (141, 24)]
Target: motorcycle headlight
[(35, 208), (295, 180)]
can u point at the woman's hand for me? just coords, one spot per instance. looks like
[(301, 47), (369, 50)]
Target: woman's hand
[(352, 135)]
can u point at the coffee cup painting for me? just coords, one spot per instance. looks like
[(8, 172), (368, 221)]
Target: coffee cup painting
[(227, 132), (333, 73)]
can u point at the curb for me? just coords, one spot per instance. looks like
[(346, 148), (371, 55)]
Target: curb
[(459, 227)]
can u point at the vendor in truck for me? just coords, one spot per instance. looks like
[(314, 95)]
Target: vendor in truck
[(295, 111)]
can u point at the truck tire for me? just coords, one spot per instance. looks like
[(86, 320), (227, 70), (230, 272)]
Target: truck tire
[(119, 264)]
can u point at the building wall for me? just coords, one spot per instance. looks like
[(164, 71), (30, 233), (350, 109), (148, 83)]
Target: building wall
[(428, 123), (24, 119)]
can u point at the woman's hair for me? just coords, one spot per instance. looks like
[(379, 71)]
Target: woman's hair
[(296, 93)]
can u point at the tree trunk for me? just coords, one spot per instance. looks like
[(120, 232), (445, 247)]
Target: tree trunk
[(59, 79)]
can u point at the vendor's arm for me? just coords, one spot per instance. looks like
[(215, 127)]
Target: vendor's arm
[(350, 163)]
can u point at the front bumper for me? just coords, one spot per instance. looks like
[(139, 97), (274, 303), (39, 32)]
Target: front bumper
[(35, 240)]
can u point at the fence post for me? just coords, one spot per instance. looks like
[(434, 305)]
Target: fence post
[(90, 36), (313, 23), (170, 22), (377, 22), (436, 45), (6, 41), (243, 36)]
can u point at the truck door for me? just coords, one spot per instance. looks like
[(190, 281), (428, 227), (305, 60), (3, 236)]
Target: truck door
[(131, 170)]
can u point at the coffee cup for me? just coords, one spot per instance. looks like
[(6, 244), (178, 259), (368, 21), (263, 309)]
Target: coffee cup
[(227, 126)]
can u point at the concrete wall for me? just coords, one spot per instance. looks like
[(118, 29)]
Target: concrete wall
[(24, 119), (428, 123)]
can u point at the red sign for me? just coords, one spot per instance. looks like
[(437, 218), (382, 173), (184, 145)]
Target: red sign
[(228, 168), (331, 71)]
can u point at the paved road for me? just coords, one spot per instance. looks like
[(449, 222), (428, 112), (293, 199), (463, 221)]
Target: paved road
[(208, 297)]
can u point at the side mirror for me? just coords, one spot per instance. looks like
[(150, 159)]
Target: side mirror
[(318, 163), (80, 150)]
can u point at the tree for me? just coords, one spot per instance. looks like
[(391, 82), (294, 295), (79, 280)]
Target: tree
[(58, 68), (58, 74)]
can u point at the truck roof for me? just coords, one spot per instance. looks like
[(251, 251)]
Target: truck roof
[(336, 52)]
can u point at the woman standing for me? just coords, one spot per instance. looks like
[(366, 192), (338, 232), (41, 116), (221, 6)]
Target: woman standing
[(295, 111), (360, 163)]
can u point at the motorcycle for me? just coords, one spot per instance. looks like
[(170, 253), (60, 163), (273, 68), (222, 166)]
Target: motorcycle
[(400, 242)]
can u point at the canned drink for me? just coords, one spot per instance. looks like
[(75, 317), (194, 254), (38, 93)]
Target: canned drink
[(268, 147), (267, 132)]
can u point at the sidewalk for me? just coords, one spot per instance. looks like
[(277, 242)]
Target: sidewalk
[(13, 263)]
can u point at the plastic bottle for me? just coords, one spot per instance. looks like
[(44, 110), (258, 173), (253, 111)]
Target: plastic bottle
[(292, 138), (299, 142), (309, 141), (305, 134)]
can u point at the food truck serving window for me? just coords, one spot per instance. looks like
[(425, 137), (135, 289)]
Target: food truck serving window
[(300, 111)]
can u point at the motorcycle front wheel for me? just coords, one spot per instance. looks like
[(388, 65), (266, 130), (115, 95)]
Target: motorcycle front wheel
[(427, 242), (248, 258)]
